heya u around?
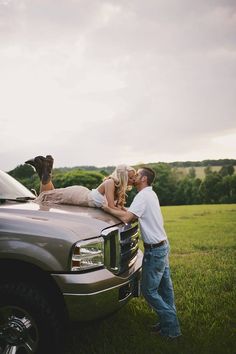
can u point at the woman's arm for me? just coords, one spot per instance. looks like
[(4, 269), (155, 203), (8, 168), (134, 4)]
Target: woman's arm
[(109, 185), (125, 216)]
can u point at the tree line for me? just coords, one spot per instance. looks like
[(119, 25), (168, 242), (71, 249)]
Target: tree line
[(204, 163), (175, 189), (171, 186)]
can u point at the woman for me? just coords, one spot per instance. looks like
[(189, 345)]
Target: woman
[(112, 191)]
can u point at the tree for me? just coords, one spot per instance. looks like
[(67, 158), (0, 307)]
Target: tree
[(22, 171), (187, 191), (227, 170), (228, 189), (210, 188), (89, 179), (165, 183), (192, 172), (207, 170)]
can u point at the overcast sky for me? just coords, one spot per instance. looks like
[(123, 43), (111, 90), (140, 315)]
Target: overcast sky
[(96, 82)]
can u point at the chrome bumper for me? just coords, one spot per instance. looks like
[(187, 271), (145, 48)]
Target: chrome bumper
[(95, 294)]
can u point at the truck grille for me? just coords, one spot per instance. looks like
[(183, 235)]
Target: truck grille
[(120, 247)]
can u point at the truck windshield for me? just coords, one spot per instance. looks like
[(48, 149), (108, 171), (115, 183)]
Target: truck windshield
[(12, 189)]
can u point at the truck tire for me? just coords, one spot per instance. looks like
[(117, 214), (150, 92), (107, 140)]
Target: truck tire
[(28, 322)]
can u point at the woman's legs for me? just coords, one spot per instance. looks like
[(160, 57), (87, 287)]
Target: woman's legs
[(43, 166), (46, 187)]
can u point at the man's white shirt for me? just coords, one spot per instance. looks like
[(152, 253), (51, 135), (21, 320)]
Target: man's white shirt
[(146, 207)]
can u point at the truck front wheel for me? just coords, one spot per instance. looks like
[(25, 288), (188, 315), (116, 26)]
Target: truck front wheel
[(28, 322)]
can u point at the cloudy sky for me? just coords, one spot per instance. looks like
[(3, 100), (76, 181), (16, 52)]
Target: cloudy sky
[(96, 82)]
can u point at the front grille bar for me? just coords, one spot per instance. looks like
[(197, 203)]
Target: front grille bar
[(112, 249), (120, 247)]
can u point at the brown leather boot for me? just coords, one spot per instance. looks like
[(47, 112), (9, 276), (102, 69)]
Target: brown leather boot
[(47, 169), (50, 161), (37, 163)]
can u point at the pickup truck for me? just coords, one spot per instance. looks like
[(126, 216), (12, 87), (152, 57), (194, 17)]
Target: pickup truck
[(59, 263)]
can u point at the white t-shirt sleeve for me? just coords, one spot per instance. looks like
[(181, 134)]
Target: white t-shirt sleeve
[(138, 205)]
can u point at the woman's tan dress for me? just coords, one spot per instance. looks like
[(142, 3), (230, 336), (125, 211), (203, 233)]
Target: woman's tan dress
[(75, 195)]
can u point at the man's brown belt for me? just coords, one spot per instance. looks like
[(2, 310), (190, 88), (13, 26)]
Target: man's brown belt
[(154, 245)]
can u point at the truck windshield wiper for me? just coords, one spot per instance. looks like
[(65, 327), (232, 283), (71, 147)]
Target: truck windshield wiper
[(17, 199), (24, 198)]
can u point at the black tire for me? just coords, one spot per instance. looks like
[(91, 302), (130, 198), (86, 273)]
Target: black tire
[(29, 323)]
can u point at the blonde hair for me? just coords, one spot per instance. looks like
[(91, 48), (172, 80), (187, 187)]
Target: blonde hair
[(120, 178)]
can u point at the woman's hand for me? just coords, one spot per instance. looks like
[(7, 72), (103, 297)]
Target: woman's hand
[(121, 207), (123, 215), (105, 207)]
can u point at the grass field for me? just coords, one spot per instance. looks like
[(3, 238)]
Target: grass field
[(203, 264), (199, 170)]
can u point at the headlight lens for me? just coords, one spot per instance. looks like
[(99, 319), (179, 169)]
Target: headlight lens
[(88, 254)]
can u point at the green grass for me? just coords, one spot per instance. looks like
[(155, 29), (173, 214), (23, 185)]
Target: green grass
[(199, 170), (203, 260)]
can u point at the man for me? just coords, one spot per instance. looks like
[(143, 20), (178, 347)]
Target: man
[(156, 281)]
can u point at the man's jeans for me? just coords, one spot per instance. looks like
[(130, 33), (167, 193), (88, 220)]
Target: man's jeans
[(158, 290)]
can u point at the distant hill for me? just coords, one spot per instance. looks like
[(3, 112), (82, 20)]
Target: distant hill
[(199, 170), (183, 167), (204, 163)]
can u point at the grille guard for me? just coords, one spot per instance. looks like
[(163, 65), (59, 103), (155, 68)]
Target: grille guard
[(120, 247)]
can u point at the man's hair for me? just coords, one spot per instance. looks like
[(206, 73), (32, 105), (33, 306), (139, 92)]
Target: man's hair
[(149, 173)]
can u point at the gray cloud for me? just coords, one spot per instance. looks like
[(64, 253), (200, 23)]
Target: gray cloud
[(133, 78)]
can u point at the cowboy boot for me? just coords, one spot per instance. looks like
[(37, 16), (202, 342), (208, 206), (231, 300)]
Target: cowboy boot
[(50, 161), (37, 163), (47, 169)]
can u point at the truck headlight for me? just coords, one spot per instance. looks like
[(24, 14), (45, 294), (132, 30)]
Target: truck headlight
[(88, 254)]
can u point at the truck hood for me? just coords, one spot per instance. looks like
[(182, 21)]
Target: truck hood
[(64, 221)]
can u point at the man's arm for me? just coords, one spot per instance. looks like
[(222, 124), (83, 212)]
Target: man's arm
[(124, 215)]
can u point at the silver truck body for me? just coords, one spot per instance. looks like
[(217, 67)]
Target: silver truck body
[(38, 244)]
